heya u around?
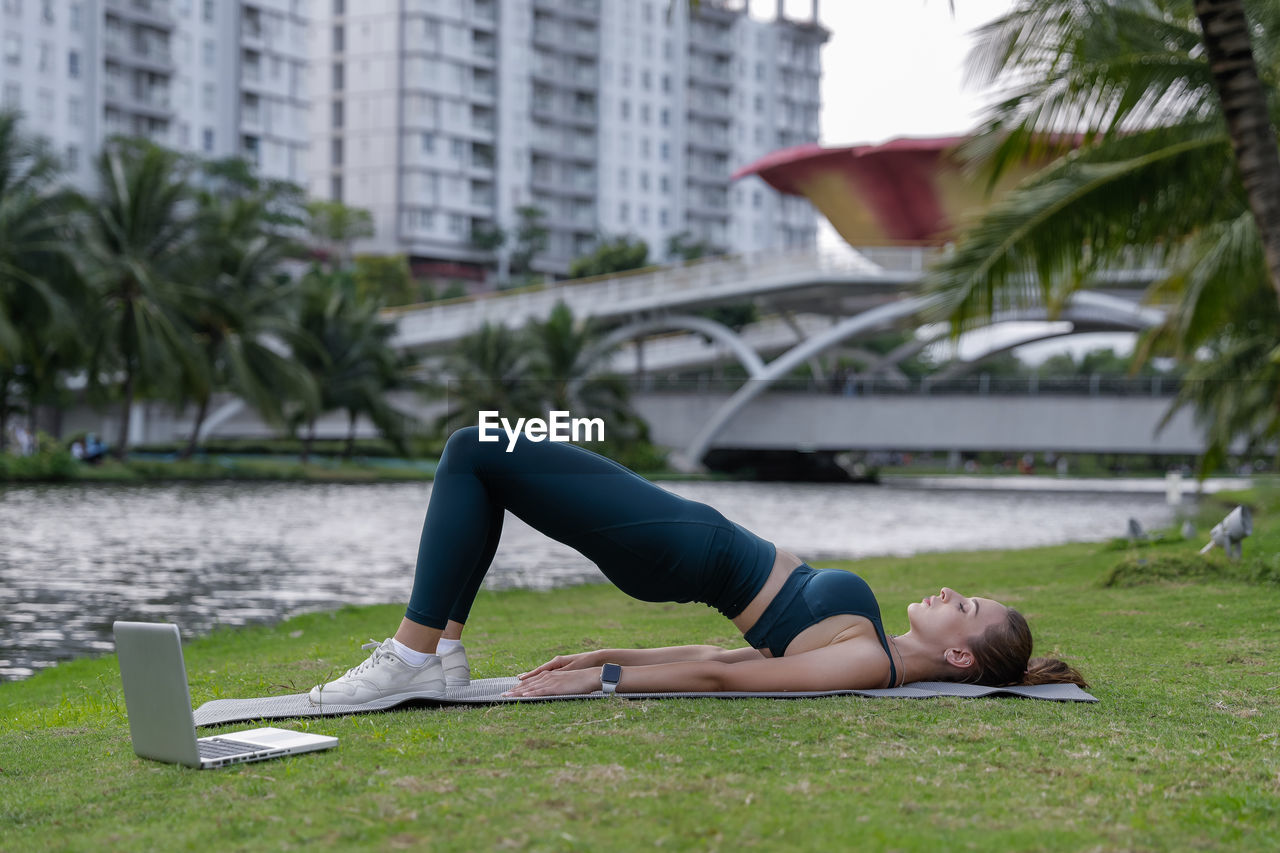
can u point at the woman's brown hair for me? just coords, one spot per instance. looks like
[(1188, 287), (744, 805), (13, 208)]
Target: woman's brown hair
[(1002, 657)]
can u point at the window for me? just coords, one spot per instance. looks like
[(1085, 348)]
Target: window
[(662, 216), (335, 188), (644, 181), (338, 116), (665, 151), (339, 7), (12, 95), (457, 224), (626, 108), (428, 143), (335, 151), (666, 117), (459, 149), (210, 96), (13, 7), (73, 157), (666, 82), (644, 147), (44, 104), (208, 12), (75, 14), (756, 199), (645, 79), (12, 49), (46, 11), (339, 78), (339, 39), (46, 57), (644, 215), (210, 53), (664, 184), (644, 113), (75, 110), (208, 139), (622, 179), (624, 213), (73, 65)]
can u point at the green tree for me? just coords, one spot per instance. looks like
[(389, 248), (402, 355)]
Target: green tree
[(39, 297), (335, 227), (137, 254), (346, 348), (1153, 172), (531, 240), (242, 314), (611, 255), (487, 370), (385, 279)]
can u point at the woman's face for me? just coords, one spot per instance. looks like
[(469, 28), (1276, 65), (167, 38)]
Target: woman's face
[(952, 619)]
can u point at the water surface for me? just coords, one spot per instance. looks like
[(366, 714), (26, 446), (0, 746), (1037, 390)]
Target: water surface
[(75, 558)]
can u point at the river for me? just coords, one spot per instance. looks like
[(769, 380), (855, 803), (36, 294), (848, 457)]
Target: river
[(74, 558)]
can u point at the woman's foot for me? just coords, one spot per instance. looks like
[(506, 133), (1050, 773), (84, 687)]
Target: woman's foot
[(384, 676), (457, 672)]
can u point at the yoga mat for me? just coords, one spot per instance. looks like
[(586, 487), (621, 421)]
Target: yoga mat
[(487, 691)]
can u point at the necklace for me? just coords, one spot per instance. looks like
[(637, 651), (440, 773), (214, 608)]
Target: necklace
[(893, 639)]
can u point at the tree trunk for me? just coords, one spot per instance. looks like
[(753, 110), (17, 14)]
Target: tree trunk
[(4, 413), (195, 429), (1244, 104), (351, 434), (122, 447), (306, 441)]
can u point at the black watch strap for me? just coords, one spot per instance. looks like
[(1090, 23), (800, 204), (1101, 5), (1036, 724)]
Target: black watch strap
[(610, 675)]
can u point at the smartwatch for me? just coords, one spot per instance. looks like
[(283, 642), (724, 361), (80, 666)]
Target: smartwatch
[(610, 675)]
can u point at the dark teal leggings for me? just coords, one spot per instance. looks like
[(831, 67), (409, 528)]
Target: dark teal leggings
[(652, 544)]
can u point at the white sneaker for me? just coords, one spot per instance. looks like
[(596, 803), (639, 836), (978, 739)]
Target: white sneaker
[(384, 676), (457, 672)]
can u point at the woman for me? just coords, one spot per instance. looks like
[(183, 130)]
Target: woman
[(807, 629)]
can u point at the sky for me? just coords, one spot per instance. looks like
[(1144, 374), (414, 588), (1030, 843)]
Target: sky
[(896, 68)]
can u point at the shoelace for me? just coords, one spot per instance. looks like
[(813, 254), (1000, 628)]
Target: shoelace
[(369, 661)]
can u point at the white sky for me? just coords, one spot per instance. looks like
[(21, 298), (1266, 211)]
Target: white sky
[(896, 68)]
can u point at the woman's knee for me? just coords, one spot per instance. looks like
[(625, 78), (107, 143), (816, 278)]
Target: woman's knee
[(464, 448)]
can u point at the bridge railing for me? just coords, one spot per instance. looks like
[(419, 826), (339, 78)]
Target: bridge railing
[(969, 386)]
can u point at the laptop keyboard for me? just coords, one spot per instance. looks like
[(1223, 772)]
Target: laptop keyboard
[(221, 748)]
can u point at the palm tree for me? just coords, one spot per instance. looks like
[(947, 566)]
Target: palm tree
[(486, 371), (345, 347), (137, 255), (1153, 172), (565, 369), (242, 315), (37, 288)]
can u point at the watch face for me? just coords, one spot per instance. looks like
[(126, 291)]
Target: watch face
[(611, 673)]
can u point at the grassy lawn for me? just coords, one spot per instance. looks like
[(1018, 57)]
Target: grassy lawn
[(1182, 752)]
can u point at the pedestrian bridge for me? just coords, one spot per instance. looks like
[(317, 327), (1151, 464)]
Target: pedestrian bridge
[(1083, 416)]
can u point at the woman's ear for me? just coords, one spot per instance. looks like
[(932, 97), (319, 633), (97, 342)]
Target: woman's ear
[(959, 658)]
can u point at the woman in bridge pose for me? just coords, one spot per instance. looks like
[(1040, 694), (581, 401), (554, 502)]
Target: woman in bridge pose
[(807, 629)]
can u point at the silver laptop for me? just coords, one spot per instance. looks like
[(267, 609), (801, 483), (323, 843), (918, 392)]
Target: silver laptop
[(159, 707)]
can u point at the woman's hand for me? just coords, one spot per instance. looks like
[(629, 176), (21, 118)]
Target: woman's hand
[(560, 682), (582, 660)]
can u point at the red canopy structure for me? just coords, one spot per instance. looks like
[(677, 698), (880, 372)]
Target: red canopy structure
[(902, 191)]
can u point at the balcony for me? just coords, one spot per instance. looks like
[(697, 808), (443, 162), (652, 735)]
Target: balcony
[(151, 13)]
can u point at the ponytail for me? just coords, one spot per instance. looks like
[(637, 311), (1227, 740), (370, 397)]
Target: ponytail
[(1052, 671)]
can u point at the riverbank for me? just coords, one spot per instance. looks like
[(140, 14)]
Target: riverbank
[(1182, 750)]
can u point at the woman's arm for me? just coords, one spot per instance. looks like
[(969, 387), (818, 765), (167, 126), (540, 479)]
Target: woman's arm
[(843, 666), (645, 657)]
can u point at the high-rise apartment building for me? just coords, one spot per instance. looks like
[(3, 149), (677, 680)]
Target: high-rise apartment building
[(447, 116), (209, 76)]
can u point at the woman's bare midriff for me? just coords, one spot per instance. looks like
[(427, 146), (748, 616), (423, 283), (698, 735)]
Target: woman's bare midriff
[(833, 629)]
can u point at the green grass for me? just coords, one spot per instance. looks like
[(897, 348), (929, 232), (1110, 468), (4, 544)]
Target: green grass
[(1182, 752)]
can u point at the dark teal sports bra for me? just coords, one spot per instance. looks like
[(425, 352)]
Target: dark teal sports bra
[(809, 596)]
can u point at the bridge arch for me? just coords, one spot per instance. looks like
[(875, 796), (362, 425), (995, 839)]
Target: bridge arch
[(746, 356), (1086, 308)]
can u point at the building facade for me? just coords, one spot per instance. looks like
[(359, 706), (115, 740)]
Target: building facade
[(446, 117), (212, 77)]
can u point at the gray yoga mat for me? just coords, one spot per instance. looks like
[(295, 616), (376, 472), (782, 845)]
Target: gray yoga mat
[(487, 691)]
